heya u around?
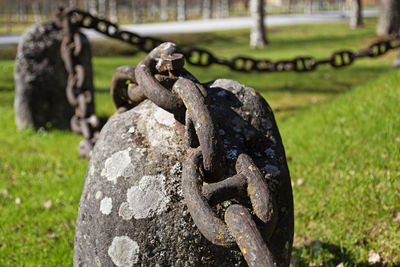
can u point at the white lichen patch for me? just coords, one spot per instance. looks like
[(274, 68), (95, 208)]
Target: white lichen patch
[(106, 205), (149, 197), (124, 252), (98, 195), (131, 130), (155, 125), (164, 117), (271, 169), (125, 211), (115, 165), (92, 170), (98, 262)]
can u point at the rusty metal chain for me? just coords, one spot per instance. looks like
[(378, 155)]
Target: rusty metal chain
[(79, 92), (162, 78), (204, 58)]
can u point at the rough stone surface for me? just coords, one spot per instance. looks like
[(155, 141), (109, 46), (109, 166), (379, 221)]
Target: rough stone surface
[(41, 79), (137, 163)]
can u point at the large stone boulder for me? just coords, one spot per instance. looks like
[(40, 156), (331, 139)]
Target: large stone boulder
[(41, 79), (132, 211)]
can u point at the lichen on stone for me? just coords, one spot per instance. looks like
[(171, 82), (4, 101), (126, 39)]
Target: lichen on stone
[(149, 197), (116, 165), (124, 252), (106, 205)]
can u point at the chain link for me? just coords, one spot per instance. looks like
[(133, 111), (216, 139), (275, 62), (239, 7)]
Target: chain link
[(79, 92)]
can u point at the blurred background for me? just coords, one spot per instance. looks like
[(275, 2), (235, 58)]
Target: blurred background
[(15, 15)]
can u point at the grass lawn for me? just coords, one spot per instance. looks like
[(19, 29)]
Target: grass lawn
[(340, 128)]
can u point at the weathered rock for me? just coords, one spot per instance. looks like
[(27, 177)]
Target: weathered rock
[(132, 212), (41, 78)]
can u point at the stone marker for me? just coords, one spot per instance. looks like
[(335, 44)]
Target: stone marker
[(41, 79), (132, 211)]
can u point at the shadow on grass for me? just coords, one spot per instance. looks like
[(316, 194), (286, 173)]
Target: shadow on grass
[(328, 254)]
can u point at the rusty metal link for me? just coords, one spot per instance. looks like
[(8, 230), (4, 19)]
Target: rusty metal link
[(199, 57), (304, 64), (342, 58), (124, 89), (379, 48), (199, 119), (185, 99), (81, 97), (284, 65), (239, 227), (152, 89), (244, 64)]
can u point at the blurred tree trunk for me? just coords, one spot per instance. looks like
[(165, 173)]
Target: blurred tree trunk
[(217, 8), (207, 9), (102, 8), (72, 3), (356, 14), (137, 11), (389, 17), (153, 9), (289, 6), (225, 8), (36, 12), (113, 11), (257, 35), (309, 7), (21, 11), (221, 8), (181, 10), (389, 22), (164, 9), (92, 7)]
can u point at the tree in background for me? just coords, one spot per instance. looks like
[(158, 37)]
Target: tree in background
[(356, 14), (257, 34), (389, 22), (113, 11), (389, 17), (92, 7), (164, 9), (181, 10), (309, 7), (207, 9)]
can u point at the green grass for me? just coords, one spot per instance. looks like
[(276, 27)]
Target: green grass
[(340, 128), (345, 167)]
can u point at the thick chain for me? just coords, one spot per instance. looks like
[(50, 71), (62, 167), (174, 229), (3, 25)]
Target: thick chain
[(79, 91), (239, 228), (204, 58)]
